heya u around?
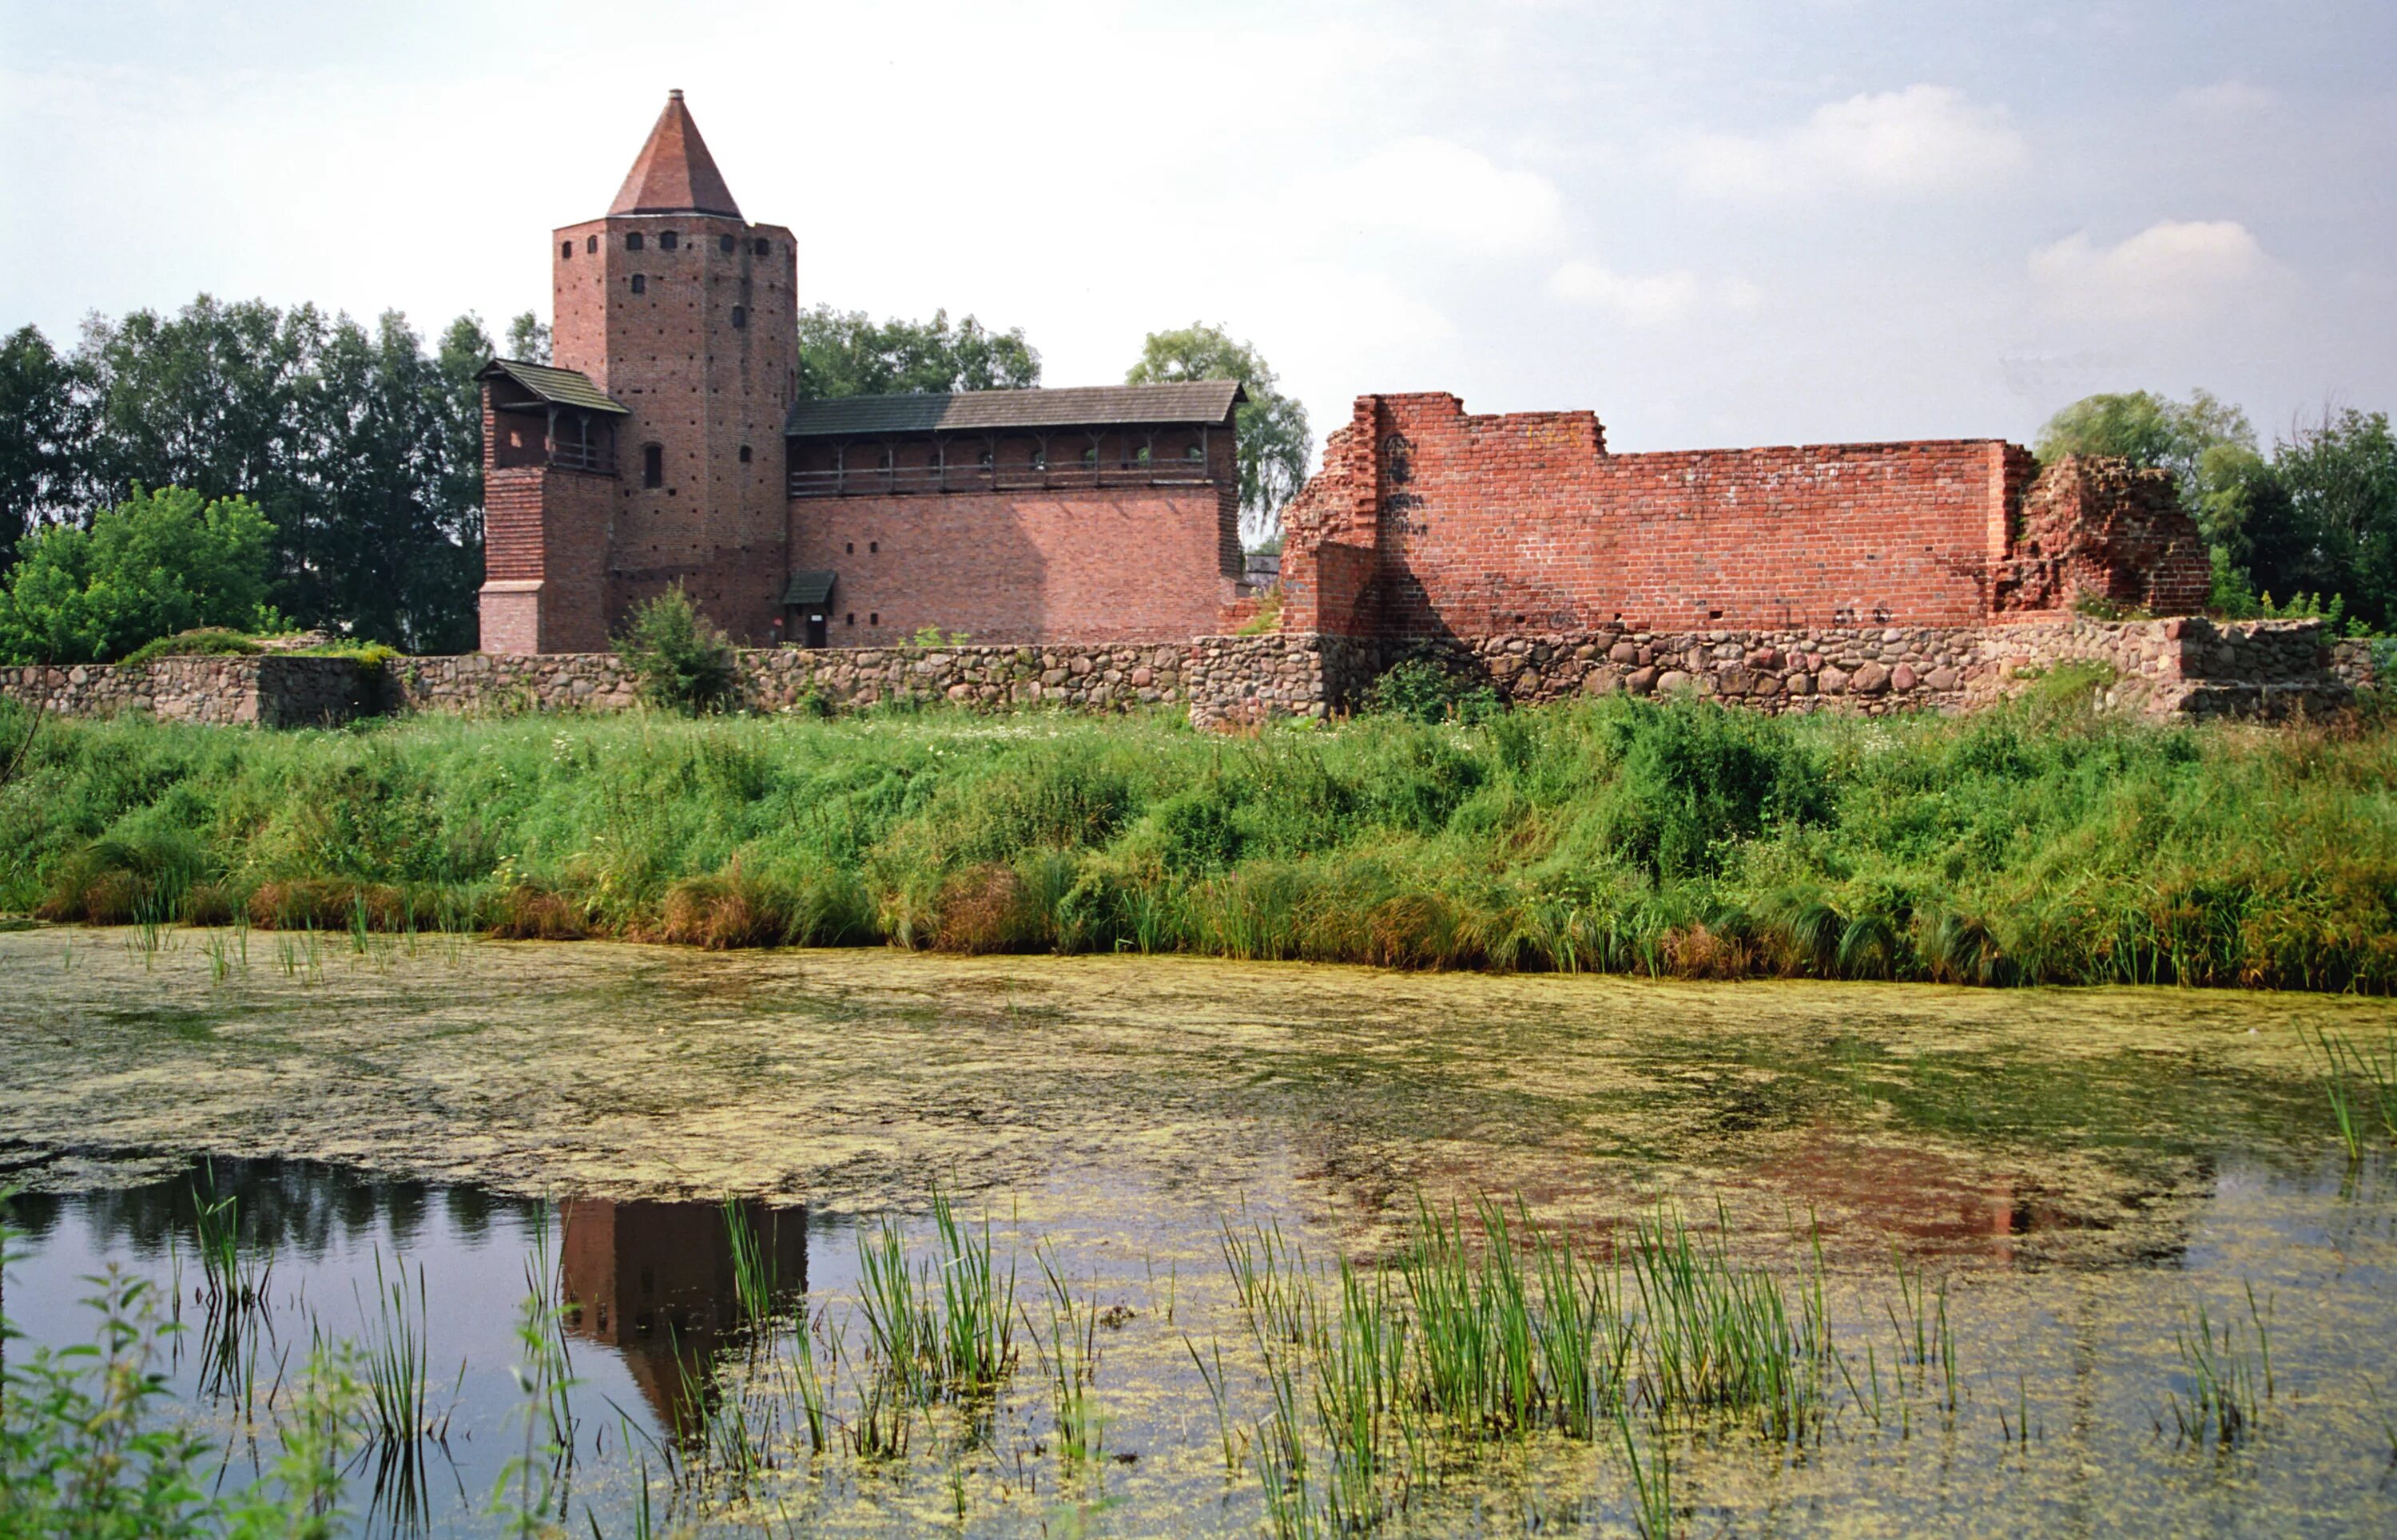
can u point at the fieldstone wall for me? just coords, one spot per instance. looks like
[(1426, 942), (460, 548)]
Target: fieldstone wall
[(1246, 680), (1086, 678), (265, 690), (2183, 666), (2361, 665), (2193, 667)]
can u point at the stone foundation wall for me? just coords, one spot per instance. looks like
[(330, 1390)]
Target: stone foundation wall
[(2186, 667), (1085, 678), (1245, 680), (2267, 669), (264, 690)]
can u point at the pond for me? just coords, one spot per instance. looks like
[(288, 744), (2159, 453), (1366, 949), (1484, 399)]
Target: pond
[(1852, 1260)]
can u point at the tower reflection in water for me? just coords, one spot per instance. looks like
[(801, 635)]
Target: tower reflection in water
[(656, 1282)]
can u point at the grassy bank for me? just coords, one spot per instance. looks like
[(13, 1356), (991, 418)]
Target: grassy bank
[(2040, 843)]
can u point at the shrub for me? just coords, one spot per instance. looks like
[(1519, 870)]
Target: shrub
[(208, 641), (157, 565), (1694, 777), (1422, 690), (683, 662)]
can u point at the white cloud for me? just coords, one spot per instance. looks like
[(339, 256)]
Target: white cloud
[(1440, 192), (1923, 139), (1652, 299), (2172, 268)]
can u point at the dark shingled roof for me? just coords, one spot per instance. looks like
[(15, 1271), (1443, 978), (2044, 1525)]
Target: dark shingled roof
[(1208, 400), (559, 387), (808, 589)]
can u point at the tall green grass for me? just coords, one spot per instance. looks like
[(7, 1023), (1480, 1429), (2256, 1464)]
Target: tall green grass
[(2039, 843)]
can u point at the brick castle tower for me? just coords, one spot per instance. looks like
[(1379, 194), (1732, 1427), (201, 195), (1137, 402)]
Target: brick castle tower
[(651, 450)]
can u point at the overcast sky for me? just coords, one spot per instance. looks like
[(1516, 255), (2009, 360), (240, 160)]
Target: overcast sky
[(1714, 223)]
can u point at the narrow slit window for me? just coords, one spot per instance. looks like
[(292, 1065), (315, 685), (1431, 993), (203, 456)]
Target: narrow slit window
[(745, 454), (591, 243), (641, 283), (565, 249), (739, 317), (653, 465)]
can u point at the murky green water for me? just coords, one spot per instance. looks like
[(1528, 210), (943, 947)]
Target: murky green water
[(2079, 1169)]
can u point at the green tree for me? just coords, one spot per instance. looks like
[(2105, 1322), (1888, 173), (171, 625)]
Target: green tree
[(382, 539), (529, 338), (2340, 480), (1275, 444), (37, 431), (160, 562), (847, 352), (364, 454)]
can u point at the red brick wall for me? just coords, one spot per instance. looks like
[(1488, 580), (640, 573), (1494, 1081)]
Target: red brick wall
[(1487, 524), (1426, 520), (1135, 563), (701, 389), (545, 555)]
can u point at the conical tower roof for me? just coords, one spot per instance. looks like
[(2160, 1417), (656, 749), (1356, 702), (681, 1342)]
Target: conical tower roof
[(675, 174)]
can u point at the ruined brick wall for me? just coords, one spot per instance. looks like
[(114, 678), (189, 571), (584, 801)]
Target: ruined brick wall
[(1428, 521), (1330, 546), (2103, 530), (1485, 524), (1100, 564)]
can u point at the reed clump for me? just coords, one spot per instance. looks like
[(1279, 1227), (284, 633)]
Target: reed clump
[(2043, 843)]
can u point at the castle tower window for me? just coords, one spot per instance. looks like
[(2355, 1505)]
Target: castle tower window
[(745, 454), (739, 317), (725, 245), (653, 465), (633, 241), (591, 243), (565, 249), (641, 283), (668, 240), (763, 248), (874, 618)]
